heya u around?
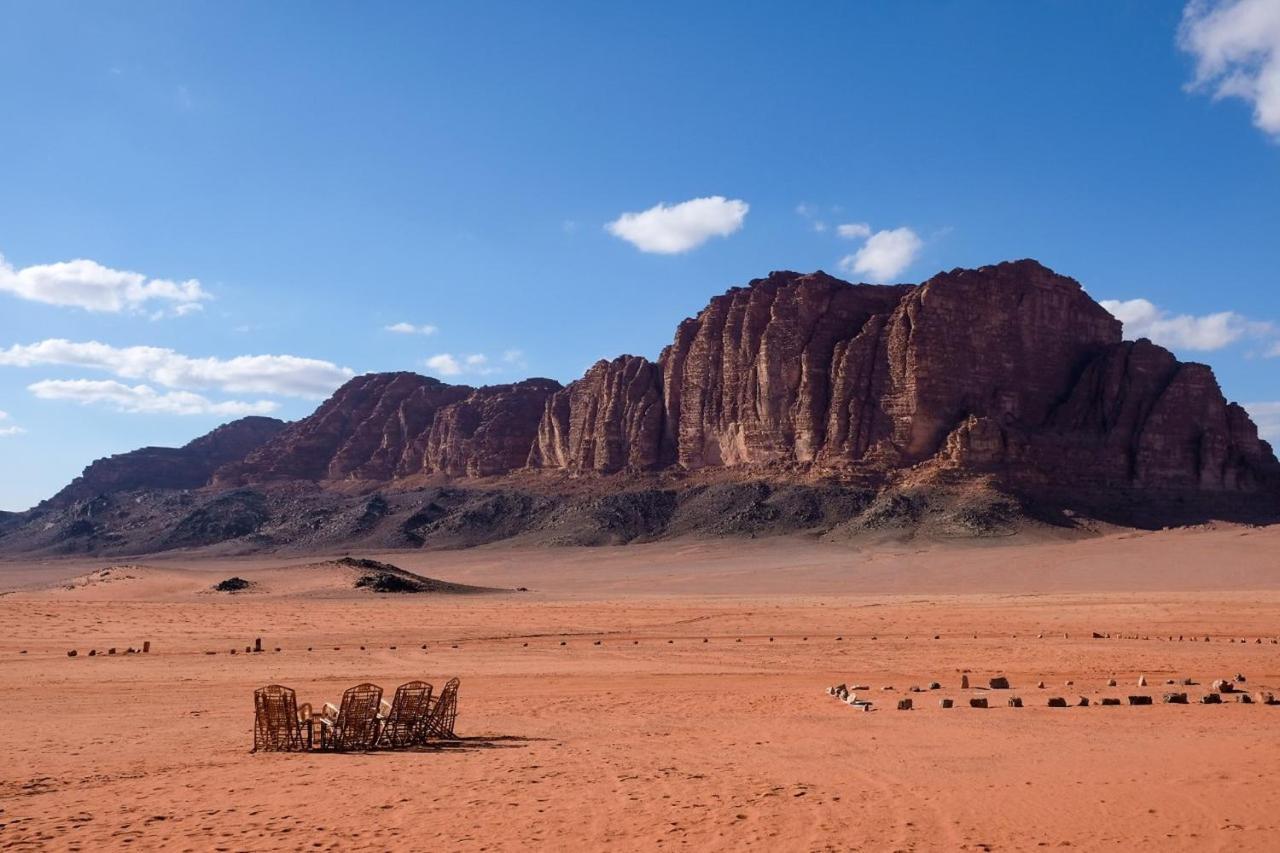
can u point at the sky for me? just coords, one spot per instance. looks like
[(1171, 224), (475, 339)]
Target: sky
[(212, 209)]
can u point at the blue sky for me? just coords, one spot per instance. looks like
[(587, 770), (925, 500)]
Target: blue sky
[(256, 192)]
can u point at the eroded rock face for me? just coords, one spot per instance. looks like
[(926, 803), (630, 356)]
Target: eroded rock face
[(488, 433), (1011, 372), (609, 420), (187, 467)]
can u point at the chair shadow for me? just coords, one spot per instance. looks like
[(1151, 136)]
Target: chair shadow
[(473, 743)]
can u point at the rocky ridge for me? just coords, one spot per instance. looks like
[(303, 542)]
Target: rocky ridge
[(1009, 374)]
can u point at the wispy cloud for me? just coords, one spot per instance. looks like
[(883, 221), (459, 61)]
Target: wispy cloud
[(672, 229), (884, 256), (143, 399), (1204, 333), (1267, 417), (475, 364), (853, 230), (285, 375), (411, 329), (90, 285), (8, 430), (1236, 45)]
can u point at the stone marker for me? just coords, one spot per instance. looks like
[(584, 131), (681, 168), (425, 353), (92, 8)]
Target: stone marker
[(1211, 699), (1139, 700), (1015, 702), (964, 682), (1175, 698), (71, 653), (999, 683), (93, 652), (146, 647), (1223, 686), (1240, 679), (1111, 682), (1040, 685), (1142, 681), (1110, 700), (1057, 702), (945, 703), (1082, 702), (978, 702), (1244, 698), (904, 704), (257, 644), (933, 685)]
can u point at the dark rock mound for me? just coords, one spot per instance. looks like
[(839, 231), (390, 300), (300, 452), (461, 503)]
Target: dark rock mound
[(386, 578), (233, 584)]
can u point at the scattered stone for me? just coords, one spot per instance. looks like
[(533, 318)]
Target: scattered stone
[(1057, 702), (1175, 698), (1240, 679), (1097, 636), (1068, 683), (1111, 682), (860, 687), (257, 644), (1139, 700), (1142, 681), (978, 702), (1223, 686), (964, 682), (1040, 685), (1265, 697), (1082, 702), (1188, 682), (1244, 698), (946, 703), (72, 653), (146, 647), (999, 683), (904, 704), (1015, 702), (933, 685), (232, 584), (1211, 699), (1109, 700), (887, 687)]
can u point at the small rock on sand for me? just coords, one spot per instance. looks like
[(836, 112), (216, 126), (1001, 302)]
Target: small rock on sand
[(904, 704), (1015, 702), (999, 683), (1211, 699), (1057, 702), (1175, 698), (978, 702), (1109, 700), (946, 703), (1139, 700)]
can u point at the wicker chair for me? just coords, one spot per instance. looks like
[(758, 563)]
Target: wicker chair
[(401, 720), (277, 724), (444, 713), (354, 724)]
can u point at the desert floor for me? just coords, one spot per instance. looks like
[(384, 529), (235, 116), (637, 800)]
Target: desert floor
[(660, 697)]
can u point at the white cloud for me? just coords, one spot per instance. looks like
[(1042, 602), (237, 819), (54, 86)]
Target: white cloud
[(7, 431), (670, 230), (286, 375), (884, 255), (143, 399), (474, 364), (1274, 352), (93, 287), (1267, 417), (854, 230), (1236, 45), (1143, 319), (411, 329)]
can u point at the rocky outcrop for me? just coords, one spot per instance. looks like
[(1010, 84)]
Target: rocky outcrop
[(187, 467), (609, 420), (489, 432), (1010, 373)]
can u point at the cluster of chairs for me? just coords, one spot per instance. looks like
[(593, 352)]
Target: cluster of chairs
[(363, 721)]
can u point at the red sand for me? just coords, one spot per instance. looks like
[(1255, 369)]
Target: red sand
[(641, 743)]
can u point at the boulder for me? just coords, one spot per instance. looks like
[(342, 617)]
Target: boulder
[(978, 702), (999, 683), (1056, 702), (1175, 698), (1139, 700)]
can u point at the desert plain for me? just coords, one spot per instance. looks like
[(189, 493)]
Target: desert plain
[(667, 696)]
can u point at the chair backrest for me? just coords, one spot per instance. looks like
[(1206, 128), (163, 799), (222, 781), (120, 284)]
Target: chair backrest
[(275, 719), (356, 726), (445, 711), (410, 706)]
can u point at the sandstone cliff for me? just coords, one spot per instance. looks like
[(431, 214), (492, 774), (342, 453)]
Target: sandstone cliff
[(1010, 372)]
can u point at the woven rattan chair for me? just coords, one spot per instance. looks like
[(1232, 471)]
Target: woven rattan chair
[(444, 713), (401, 720), (277, 725), (354, 724)]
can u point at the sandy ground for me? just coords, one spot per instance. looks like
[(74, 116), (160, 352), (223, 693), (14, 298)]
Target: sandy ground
[(660, 697)]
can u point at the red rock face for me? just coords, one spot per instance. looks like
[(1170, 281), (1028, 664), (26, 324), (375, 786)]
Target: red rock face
[(488, 433), (188, 467), (609, 420), (1009, 370)]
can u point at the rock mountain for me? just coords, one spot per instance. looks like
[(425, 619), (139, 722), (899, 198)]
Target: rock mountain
[(1009, 373)]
